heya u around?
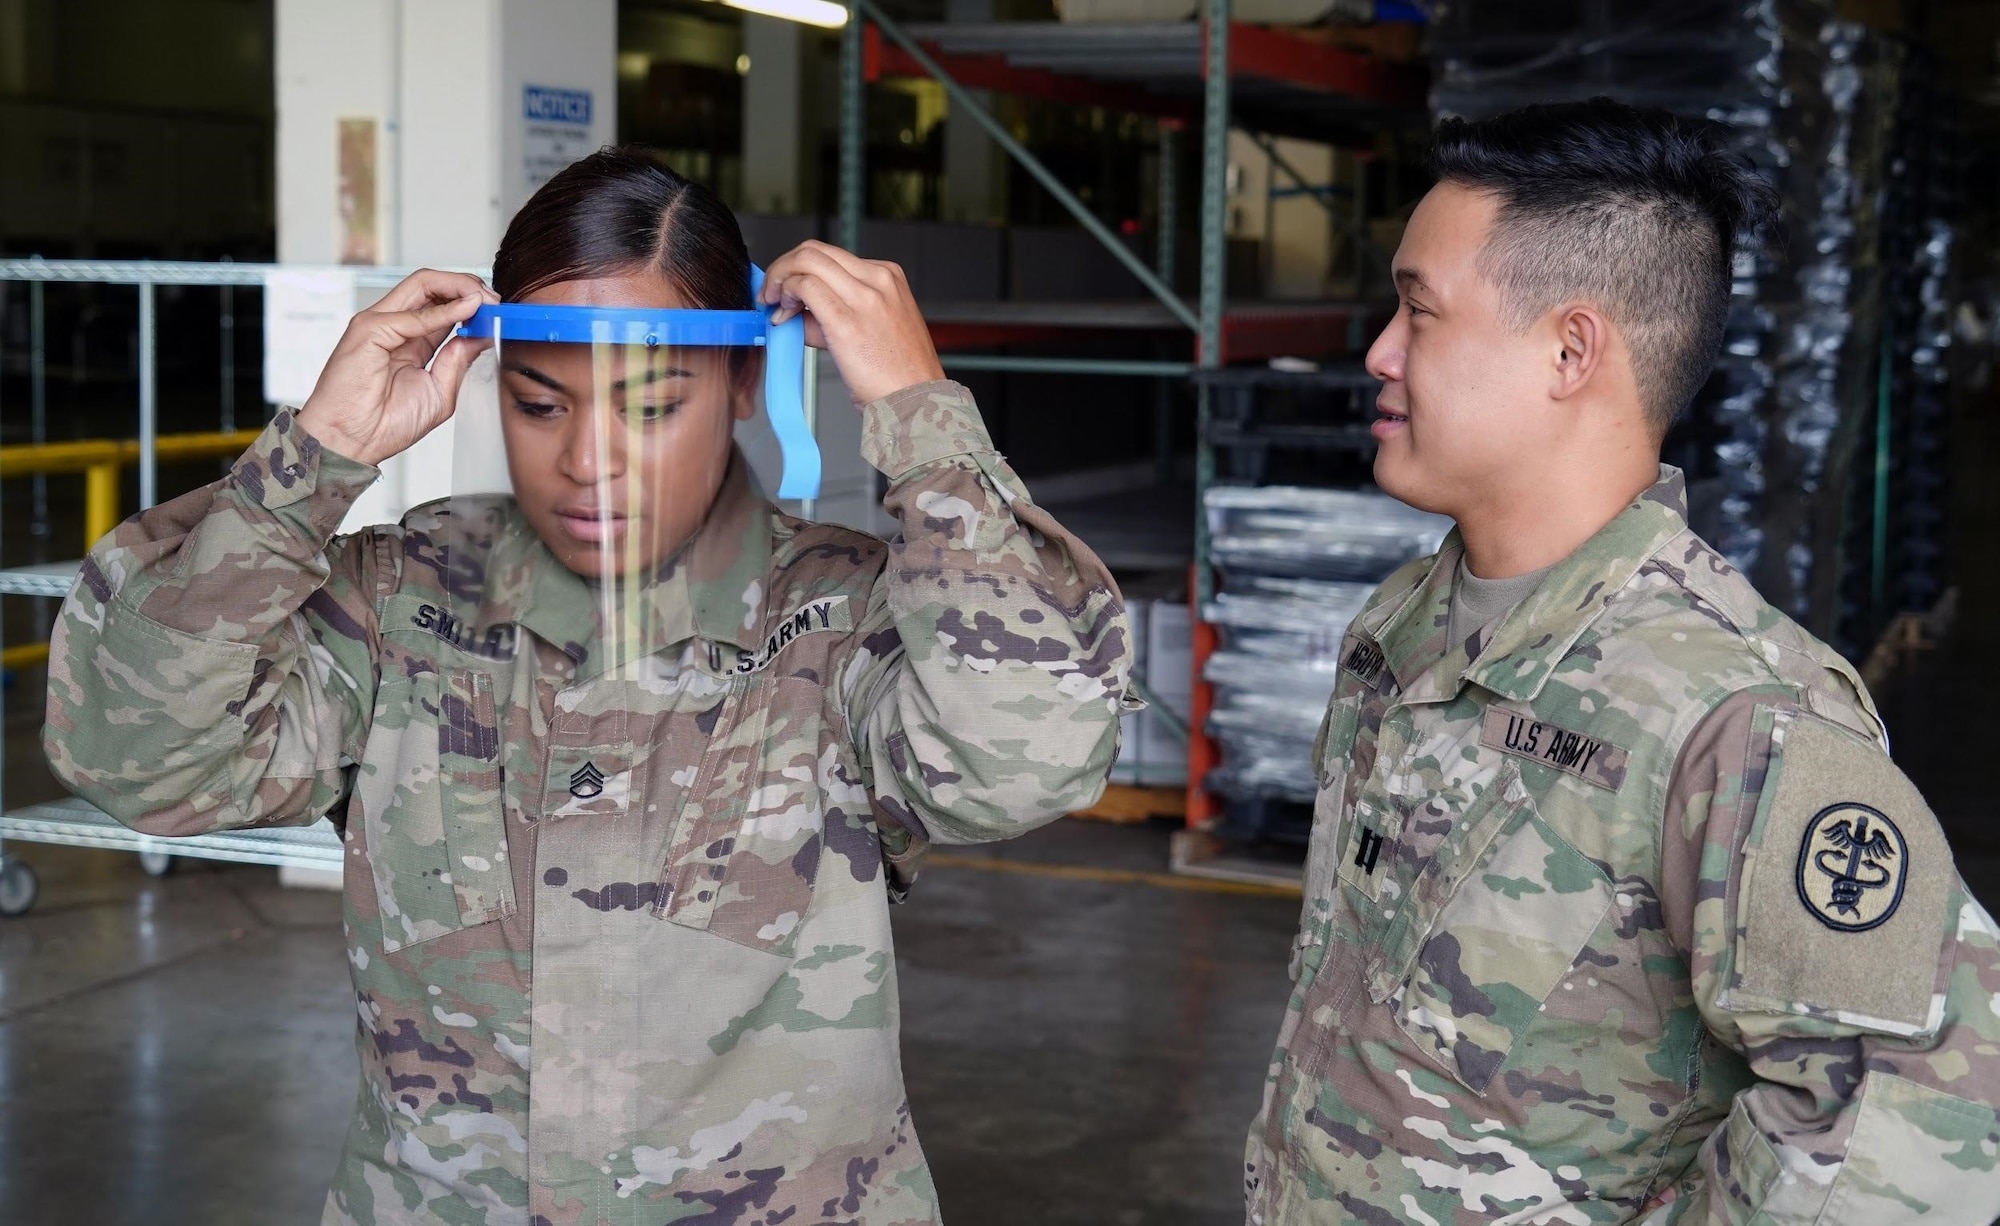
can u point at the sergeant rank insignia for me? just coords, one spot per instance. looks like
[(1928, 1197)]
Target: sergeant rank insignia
[(587, 782), (1852, 866)]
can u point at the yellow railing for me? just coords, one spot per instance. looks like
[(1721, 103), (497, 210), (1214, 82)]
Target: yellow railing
[(100, 460)]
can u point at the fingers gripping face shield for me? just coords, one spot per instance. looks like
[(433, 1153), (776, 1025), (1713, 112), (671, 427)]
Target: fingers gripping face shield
[(595, 484)]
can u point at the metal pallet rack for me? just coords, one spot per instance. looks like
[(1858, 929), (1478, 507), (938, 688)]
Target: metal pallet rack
[(1213, 72), (1281, 429), (74, 822)]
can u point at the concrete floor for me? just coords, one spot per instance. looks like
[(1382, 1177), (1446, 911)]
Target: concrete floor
[(1077, 1049)]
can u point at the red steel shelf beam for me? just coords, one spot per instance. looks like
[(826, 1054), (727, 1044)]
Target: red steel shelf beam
[(994, 72), (1266, 54), (1255, 52)]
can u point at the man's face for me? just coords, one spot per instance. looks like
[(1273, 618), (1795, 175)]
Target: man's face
[(616, 452), (1463, 411)]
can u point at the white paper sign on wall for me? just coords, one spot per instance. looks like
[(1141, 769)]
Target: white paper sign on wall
[(305, 311), (555, 132)]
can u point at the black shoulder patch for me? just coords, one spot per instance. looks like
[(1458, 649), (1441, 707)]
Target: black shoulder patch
[(1853, 863)]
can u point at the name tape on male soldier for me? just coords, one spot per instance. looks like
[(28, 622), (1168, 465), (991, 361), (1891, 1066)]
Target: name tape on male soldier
[(1589, 758)]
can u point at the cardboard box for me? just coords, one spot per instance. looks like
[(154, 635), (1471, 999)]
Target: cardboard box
[(1169, 673)]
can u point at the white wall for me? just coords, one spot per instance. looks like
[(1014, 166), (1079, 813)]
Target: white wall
[(1299, 245), (333, 61), (565, 44), (444, 79), (451, 112), (773, 136)]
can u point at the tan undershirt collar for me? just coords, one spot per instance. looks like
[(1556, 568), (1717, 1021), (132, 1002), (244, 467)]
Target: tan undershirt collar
[(1478, 604)]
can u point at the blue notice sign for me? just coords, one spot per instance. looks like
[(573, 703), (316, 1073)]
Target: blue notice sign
[(555, 131), (541, 104)]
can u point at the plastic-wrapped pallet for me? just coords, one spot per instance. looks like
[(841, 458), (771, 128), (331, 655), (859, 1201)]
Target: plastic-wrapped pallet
[(1812, 103), (1295, 532), (1297, 566)]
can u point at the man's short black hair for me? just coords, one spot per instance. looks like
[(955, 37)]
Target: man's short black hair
[(1634, 211)]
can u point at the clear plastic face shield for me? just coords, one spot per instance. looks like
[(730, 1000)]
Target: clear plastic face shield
[(594, 444)]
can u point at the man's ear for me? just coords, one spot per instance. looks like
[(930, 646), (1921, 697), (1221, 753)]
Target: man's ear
[(1583, 342)]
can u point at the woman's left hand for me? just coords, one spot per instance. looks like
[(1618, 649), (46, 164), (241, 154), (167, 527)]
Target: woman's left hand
[(861, 312)]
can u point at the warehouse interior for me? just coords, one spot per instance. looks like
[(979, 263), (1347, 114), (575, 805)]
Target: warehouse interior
[(1167, 349)]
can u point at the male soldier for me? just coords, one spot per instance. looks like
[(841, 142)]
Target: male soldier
[(1616, 908)]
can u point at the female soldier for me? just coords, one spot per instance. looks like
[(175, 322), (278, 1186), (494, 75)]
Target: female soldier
[(619, 927)]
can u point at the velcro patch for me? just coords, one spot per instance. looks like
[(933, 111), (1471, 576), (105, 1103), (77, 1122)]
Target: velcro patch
[(1589, 758), (1853, 864), (813, 617), (1841, 905), (1365, 661), (494, 642)]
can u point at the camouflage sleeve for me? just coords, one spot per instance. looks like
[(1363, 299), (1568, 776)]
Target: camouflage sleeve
[(984, 694), (1832, 944), (213, 667)]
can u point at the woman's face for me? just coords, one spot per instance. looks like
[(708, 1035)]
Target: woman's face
[(616, 452)]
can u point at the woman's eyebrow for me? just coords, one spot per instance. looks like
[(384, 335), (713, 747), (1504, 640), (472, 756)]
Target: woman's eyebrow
[(555, 385), (530, 373), (653, 375)]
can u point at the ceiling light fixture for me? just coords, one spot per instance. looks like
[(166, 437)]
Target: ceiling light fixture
[(823, 13)]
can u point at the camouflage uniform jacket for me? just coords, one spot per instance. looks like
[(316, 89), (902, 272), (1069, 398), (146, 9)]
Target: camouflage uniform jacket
[(620, 937), (1624, 914)]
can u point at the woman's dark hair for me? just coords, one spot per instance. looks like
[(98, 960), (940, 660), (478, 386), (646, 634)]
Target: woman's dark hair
[(1638, 211), (619, 210)]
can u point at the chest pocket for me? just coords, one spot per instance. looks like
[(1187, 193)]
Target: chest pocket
[(432, 807), (1494, 922), (745, 855)]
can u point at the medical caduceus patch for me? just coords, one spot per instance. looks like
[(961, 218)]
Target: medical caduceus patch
[(1853, 863)]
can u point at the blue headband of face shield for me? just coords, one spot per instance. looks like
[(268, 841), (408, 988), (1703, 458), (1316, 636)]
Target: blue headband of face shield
[(784, 348)]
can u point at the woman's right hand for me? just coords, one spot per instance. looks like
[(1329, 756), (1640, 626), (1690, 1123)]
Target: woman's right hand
[(381, 390)]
